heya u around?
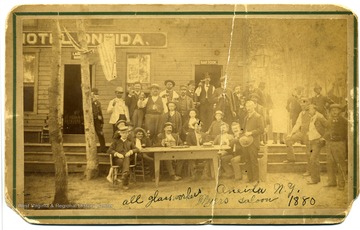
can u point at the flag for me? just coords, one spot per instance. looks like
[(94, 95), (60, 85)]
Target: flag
[(107, 54)]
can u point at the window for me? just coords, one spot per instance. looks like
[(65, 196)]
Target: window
[(29, 79)]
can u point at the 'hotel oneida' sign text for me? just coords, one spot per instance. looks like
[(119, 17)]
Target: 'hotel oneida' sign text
[(44, 39)]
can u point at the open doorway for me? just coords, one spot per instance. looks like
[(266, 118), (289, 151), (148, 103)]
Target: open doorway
[(215, 72), (73, 110)]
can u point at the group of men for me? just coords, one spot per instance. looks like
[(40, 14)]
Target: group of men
[(320, 127), (204, 113)]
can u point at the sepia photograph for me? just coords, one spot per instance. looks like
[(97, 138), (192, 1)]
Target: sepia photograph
[(181, 114)]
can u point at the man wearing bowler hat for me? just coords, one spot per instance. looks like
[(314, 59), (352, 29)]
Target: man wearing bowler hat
[(117, 108), (185, 103), (169, 94), (98, 119), (224, 99), (204, 93), (253, 128)]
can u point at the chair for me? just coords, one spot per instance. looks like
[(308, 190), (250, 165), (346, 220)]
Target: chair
[(116, 170), (132, 168), (139, 168)]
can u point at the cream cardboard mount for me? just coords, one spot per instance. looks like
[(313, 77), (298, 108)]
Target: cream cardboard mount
[(288, 52)]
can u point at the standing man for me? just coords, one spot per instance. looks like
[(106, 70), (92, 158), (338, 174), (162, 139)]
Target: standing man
[(185, 103), (174, 117), (131, 100), (299, 133), (154, 109), (250, 89), (320, 101), (241, 112), (191, 90), (169, 94), (224, 100), (237, 96), (98, 119), (293, 105), (254, 127), (316, 132), (204, 93), (261, 110), (117, 108), (336, 140)]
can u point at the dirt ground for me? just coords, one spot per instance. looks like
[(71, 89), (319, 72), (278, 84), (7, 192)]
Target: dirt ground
[(281, 190)]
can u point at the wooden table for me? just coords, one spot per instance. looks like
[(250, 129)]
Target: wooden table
[(185, 153)]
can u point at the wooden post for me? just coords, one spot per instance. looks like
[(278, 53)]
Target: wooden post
[(56, 138), (92, 166)]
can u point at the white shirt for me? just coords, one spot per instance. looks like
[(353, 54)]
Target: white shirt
[(119, 108), (313, 133), (138, 143)]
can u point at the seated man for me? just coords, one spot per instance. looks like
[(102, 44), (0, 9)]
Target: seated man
[(121, 149), (196, 138), (224, 138), (168, 139), (141, 141), (234, 155)]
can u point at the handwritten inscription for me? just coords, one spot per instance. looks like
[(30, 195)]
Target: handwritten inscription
[(288, 194), (157, 197)]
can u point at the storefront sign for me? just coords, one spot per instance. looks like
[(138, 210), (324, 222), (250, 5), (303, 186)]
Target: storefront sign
[(44, 39), (75, 55), (208, 62)]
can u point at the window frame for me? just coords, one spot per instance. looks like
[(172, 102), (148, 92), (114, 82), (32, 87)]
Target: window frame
[(35, 83)]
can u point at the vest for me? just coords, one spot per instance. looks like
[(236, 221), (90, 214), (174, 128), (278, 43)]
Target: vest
[(156, 107), (203, 92)]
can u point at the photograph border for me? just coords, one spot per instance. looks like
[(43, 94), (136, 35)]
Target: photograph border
[(189, 13)]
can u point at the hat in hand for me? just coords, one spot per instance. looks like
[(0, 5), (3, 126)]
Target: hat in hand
[(246, 141)]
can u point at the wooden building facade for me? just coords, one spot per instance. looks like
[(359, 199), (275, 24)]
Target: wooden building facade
[(283, 53)]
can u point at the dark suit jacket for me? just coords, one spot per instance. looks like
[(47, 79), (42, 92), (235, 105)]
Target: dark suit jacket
[(222, 102), (175, 120), (122, 147), (191, 138), (96, 108), (254, 124), (131, 103), (184, 105)]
